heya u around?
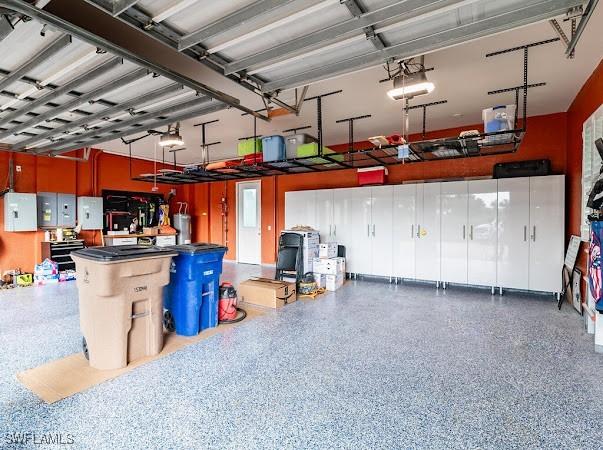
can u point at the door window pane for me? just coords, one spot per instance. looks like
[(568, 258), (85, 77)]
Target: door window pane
[(249, 208)]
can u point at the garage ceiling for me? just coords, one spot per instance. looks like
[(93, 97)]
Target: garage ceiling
[(71, 85)]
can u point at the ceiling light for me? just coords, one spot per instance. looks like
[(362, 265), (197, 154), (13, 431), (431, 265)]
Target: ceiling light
[(171, 137), (410, 85)]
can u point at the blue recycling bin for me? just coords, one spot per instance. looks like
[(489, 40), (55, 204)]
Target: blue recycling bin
[(191, 299)]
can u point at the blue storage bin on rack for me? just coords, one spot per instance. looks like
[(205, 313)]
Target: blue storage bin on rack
[(191, 299), (273, 148)]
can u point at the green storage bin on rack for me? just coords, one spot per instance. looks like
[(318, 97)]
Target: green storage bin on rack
[(311, 149), (246, 146)]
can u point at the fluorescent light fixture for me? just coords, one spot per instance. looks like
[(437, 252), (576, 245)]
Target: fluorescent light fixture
[(410, 85)]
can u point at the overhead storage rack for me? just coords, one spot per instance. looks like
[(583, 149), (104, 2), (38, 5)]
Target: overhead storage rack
[(485, 144)]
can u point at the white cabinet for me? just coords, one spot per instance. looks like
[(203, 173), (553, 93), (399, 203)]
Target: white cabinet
[(381, 230), (324, 214), (454, 232), (404, 230), (547, 220), (513, 223), (300, 208), (427, 248), (482, 219), (352, 219)]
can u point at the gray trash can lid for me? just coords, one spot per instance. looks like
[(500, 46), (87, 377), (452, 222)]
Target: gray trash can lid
[(199, 247), (122, 253)]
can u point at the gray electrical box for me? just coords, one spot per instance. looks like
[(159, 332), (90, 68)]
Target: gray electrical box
[(66, 210), (47, 209), (20, 212), (90, 212)]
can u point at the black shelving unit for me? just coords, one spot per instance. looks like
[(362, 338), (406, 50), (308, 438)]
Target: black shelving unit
[(485, 144)]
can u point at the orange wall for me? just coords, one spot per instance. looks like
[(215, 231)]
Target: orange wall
[(546, 138), (39, 174), (586, 102)]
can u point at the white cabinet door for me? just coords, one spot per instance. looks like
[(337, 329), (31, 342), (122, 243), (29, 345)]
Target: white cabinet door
[(300, 208), (381, 230), (404, 230), (513, 222), (427, 255), (482, 221), (454, 232), (324, 214), (352, 217), (547, 220)]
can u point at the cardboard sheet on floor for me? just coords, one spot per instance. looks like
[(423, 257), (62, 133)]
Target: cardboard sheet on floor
[(67, 376)]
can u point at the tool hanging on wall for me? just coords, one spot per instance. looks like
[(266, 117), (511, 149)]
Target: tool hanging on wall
[(204, 145), (525, 86), (350, 121)]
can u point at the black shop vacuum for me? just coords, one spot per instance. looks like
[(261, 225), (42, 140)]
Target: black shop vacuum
[(228, 310)]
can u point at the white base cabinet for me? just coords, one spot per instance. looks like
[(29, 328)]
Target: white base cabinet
[(506, 233)]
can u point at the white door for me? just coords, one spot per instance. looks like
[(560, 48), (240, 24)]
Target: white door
[(454, 232), (300, 208), (249, 227), (427, 249), (381, 230), (352, 214), (547, 220), (513, 223), (404, 228), (324, 214), (482, 222)]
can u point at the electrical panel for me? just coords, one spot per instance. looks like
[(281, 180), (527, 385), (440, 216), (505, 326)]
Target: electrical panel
[(47, 209), (90, 212), (66, 210), (20, 212)]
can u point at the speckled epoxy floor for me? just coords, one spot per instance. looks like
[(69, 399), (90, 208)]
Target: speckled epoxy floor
[(371, 366)]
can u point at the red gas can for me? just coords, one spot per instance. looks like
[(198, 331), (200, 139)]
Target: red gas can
[(227, 307)]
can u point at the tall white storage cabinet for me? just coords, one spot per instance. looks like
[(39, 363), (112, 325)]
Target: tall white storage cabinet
[(427, 248), (404, 230), (352, 219), (381, 230), (454, 231), (547, 220), (513, 223), (482, 220), (300, 208), (324, 215)]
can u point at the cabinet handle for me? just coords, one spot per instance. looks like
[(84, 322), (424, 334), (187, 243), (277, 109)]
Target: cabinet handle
[(534, 233), (368, 230), (464, 230), (412, 230), (419, 231), (335, 230), (471, 232), (329, 230), (373, 230), (525, 233)]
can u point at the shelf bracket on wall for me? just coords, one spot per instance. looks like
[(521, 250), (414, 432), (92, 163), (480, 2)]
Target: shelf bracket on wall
[(318, 99), (525, 86), (424, 106)]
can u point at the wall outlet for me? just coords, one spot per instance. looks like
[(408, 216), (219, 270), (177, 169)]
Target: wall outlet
[(18, 168)]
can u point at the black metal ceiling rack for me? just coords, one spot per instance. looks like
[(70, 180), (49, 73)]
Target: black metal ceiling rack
[(485, 144)]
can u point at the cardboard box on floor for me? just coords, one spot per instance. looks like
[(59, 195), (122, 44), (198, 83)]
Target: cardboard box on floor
[(267, 292)]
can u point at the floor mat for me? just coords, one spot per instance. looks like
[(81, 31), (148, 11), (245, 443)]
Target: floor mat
[(67, 376)]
